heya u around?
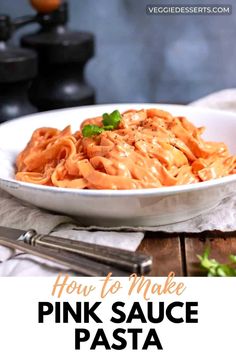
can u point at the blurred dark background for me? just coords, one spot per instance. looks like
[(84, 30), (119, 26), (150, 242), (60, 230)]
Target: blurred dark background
[(141, 58)]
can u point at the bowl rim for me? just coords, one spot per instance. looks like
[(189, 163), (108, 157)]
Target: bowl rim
[(154, 192), (137, 105)]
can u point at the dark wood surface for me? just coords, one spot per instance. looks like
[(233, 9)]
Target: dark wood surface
[(178, 252)]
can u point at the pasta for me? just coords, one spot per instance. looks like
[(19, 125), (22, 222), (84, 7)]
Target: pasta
[(148, 149)]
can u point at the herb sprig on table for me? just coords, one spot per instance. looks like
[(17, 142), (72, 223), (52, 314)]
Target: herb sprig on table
[(215, 268), (110, 122)]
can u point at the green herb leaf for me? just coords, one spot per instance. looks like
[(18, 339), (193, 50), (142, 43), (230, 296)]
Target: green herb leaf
[(232, 258), (108, 127), (91, 129), (112, 120), (216, 269), (106, 119)]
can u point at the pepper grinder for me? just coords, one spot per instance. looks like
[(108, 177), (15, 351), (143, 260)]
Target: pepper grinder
[(17, 69), (62, 56)]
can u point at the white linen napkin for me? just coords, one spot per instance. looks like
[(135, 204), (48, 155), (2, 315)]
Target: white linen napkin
[(16, 214)]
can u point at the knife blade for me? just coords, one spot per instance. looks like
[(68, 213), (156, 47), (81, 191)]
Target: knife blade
[(125, 260)]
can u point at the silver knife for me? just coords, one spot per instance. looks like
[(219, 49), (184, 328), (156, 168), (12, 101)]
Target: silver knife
[(12, 238), (106, 257)]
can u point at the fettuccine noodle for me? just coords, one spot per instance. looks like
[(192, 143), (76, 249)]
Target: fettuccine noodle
[(149, 149)]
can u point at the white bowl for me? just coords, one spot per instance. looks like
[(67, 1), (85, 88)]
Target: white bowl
[(118, 208)]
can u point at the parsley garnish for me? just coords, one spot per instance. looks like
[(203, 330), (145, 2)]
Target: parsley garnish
[(110, 122), (216, 269), (91, 129)]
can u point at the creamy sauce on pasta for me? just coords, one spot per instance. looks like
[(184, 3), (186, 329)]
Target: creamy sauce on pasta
[(149, 149)]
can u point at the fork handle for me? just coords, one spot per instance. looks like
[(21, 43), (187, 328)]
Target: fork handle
[(129, 261)]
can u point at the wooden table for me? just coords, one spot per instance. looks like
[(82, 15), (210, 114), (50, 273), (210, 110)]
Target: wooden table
[(177, 252)]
